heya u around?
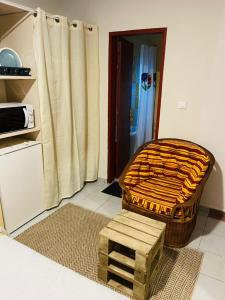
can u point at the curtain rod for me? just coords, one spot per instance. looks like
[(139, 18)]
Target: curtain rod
[(57, 19)]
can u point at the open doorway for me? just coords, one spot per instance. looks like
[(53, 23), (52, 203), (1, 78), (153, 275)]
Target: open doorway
[(136, 61)]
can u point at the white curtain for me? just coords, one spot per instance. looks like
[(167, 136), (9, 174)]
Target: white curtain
[(68, 74), (145, 117)]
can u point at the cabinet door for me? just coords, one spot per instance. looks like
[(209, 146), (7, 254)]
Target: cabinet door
[(21, 186)]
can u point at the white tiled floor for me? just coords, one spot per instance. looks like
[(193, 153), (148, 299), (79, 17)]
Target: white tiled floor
[(208, 237)]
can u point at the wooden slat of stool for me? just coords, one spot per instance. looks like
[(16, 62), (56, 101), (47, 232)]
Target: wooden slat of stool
[(138, 225), (140, 292), (118, 257), (127, 261), (133, 232), (140, 272), (124, 240), (118, 286), (138, 289), (121, 273), (142, 219), (103, 273), (158, 245), (103, 259), (142, 266)]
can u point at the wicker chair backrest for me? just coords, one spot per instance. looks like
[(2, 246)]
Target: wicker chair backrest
[(182, 160)]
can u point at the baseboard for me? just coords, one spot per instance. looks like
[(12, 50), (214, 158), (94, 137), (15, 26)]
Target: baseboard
[(204, 209), (213, 213), (217, 214)]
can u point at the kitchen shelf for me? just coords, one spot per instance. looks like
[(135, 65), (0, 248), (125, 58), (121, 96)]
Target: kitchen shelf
[(18, 132), (11, 17), (4, 77), (7, 9)]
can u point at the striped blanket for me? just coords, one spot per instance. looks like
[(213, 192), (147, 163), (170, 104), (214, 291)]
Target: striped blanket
[(166, 173)]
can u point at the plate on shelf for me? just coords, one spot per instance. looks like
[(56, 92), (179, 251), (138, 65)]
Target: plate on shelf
[(9, 58)]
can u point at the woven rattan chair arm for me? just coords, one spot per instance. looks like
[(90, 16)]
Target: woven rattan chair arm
[(191, 203)]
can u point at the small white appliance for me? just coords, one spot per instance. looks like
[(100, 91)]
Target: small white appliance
[(21, 181), (16, 116)]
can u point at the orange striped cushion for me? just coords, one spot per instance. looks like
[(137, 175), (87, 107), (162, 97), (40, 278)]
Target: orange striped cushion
[(172, 160), (156, 194), (138, 171)]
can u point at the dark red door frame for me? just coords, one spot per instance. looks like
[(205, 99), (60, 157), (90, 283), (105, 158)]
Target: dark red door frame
[(112, 75)]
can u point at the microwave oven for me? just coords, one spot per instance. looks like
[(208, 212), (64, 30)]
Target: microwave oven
[(16, 116)]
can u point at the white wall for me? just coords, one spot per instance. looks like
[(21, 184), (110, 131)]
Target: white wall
[(194, 68)]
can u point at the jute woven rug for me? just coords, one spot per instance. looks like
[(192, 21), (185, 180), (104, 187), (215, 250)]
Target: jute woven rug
[(70, 237)]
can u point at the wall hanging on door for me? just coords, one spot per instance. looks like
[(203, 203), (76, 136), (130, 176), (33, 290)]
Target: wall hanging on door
[(146, 81)]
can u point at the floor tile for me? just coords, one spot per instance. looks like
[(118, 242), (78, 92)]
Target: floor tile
[(215, 227), (101, 183), (201, 221), (29, 224), (112, 207), (203, 210), (214, 266), (97, 185), (208, 288), (213, 243), (93, 201), (195, 239), (62, 203), (81, 195)]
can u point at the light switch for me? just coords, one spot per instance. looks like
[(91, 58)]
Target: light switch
[(182, 104)]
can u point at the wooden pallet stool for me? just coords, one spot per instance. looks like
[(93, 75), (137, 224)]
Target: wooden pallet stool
[(130, 249)]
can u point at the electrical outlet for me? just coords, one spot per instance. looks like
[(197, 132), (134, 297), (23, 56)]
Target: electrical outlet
[(182, 104)]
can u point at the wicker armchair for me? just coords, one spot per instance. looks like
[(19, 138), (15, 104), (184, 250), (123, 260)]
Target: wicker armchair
[(164, 181)]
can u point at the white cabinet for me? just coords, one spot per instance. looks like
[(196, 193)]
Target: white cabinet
[(21, 182), (21, 162)]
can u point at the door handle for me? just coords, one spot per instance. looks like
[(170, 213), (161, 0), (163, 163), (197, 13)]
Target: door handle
[(26, 118)]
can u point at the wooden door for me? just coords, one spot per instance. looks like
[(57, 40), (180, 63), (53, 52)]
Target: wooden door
[(115, 141), (123, 102)]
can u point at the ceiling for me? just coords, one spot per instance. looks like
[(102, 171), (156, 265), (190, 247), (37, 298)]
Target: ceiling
[(6, 9)]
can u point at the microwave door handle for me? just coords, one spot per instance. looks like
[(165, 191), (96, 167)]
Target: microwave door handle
[(26, 117)]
